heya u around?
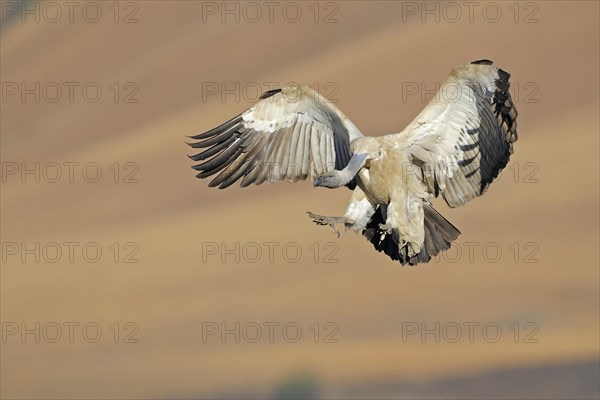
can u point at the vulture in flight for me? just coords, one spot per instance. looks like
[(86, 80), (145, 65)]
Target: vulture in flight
[(454, 148)]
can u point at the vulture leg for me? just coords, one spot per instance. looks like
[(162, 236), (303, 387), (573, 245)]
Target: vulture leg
[(359, 209), (336, 179), (331, 221)]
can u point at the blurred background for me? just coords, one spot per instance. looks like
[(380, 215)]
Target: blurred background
[(124, 276)]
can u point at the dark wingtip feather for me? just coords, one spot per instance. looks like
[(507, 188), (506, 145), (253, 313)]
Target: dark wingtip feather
[(502, 74), (269, 93), (221, 128), (195, 145), (483, 61)]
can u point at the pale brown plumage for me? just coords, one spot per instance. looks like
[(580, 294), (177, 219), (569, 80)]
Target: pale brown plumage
[(454, 148)]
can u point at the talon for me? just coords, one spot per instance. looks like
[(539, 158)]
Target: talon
[(335, 229), (329, 180), (331, 221), (385, 228)]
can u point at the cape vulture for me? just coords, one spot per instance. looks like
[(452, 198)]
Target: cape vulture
[(454, 148)]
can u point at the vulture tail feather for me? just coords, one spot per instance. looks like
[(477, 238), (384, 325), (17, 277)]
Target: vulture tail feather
[(439, 233)]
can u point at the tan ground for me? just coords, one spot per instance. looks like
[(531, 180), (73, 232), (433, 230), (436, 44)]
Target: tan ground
[(546, 203)]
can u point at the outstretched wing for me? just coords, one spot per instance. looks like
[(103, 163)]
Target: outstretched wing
[(290, 134), (464, 137)]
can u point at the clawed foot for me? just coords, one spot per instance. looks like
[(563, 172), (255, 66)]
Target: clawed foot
[(385, 228), (329, 180), (336, 179), (331, 221)]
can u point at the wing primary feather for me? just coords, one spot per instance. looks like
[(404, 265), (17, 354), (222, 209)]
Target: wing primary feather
[(315, 152), (223, 127), (236, 169), (266, 166), (329, 154), (292, 168), (323, 151), (255, 168), (225, 164), (245, 162), (222, 136), (207, 173), (276, 156), (300, 150), (222, 157), (306, 155), (213, 150), (283, 153)]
